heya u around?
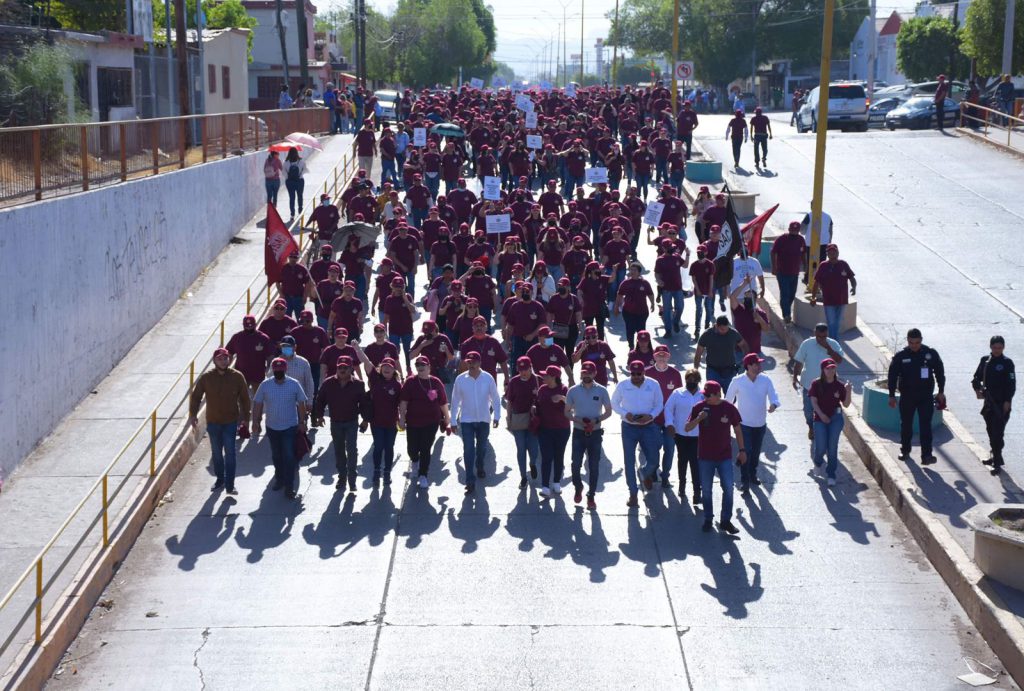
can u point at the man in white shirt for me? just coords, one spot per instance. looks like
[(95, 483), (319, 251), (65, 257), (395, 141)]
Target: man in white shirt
[(475, 402), (749, 392), (638, 400), (806, 367), (747, 270), (677, 412)]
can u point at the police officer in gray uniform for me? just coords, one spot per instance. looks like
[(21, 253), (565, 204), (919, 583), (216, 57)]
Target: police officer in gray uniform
[(915, 371), (995, 382)]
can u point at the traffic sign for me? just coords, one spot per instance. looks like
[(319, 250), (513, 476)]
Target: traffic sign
[(684, 69)]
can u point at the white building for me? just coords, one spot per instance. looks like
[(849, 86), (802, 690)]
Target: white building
[(226, 70), (885, 64)]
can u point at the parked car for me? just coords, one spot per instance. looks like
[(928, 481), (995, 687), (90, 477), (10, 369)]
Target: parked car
[(388, 101), (847, 108), (749, 101), (957, 90), (918, 113), (880, 108)]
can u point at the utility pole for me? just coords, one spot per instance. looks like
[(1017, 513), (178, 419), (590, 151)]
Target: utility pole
[(170, 60), (582, 2), (182, 55), (675, 59), (300, 26), (872, 49), (200, 105), (284, 44), (615, 46), (362, 39), (1008, 37), (819, 153), (356, 60)]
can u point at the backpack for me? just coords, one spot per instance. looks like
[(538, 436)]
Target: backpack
[(294, 172)]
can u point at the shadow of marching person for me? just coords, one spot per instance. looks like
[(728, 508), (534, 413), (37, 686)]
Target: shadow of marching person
[(206, 533)]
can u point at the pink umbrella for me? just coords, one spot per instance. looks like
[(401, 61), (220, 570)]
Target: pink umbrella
[(305, 139), (282, 147)]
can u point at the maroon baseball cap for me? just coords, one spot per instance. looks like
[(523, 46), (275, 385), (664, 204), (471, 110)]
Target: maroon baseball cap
[(712, 387), (341, 331), (422, 360), (637, 367), (588, 366), (643, 335), (752, 359), (553, 371), (524, 362), (344, 361), (543, 332), (661, 350), (472, 356), (221, 352), (279, 364)]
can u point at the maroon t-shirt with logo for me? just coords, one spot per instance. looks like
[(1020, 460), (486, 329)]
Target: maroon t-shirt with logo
[(520, 395), (667, 269), (634, 292), (384, 395), (552, 415), (490, 350), (252, 351), (600, 354), (293, 279), (542, 357), (834, 279), (399, 317), (715, 433), (788, 251), (424, 399), (437, 351), (702, 271), (525, 317), (669, 380), (829, 395), (309, 342)]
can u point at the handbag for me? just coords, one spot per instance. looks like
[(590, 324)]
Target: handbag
[(560, 331), (518, 421), (534, 425), (302, 446)]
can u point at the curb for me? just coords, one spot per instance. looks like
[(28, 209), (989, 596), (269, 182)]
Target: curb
[(967, 132), (988, 612)]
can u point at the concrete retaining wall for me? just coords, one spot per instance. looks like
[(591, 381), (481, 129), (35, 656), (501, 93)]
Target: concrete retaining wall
[(83, 277)]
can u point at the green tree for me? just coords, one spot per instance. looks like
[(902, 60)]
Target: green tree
[(32, 87), (923, 47), (229, 14), (89, 15), (982, 36), (437, 38)]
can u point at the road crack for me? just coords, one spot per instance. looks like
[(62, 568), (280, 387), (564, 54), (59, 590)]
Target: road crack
[(195, 659)]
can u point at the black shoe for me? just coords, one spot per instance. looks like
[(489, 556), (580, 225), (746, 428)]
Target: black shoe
[(728, 527), (745, 491), (232, 491), (990, 461), (340, 484), (756, 482), (677, 327), (533, 472), (481, 474), (470, 489), (290, 494), (218, 485), (928, 460), (376, 478), (904, 455), (697, 499), (387, 480), (706, 527), (277, 485), (665, 484), (523, 483), (351, 484), (996, 470)]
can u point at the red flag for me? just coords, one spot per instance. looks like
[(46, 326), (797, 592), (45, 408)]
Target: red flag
[(752, 232), (279, 244)]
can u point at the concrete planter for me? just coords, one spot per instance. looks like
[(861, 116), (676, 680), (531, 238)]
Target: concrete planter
[(744, 203), (998, 550), (876, 411), (807, 315), (704, 172), (765, 257)]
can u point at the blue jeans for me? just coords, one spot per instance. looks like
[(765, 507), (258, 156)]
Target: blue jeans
[(834, 319), (410, 283), (282, 451), (527, 444), (294, 304), (418, 216), (222, 443), (826, 441), (402, 341), (556, 273), (553, 441), (336, 122), (787, 293), (519, 347), (705, 310), (721, 375), (668, 448), (634, 322), (643, 181), (474, 447), (808, 408), (295, 188), (383, 447), (753, 438), (433, 184), (726, 475), (571, 182), (618, 276), (650, 443), (387, 171), (676, 180), (346, 456), (672, 308), (589, 446), (273, 185), (660, 170)]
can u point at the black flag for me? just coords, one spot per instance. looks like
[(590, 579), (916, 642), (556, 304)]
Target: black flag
[(729, 245)]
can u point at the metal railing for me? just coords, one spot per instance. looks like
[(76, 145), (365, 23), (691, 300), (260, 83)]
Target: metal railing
[(54, 160), (44, 578), (987, 119)]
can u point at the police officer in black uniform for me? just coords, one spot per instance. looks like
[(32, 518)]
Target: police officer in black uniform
[(915, 371), (995, 383)]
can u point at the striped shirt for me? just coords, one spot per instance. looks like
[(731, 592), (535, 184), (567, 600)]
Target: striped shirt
[(300, 371), (280, 402)]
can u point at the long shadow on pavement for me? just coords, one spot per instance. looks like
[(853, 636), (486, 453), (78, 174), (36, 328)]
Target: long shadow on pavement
[(205, 534)]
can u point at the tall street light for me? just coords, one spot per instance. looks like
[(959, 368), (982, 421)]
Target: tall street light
[(819, 151), (582, 2)]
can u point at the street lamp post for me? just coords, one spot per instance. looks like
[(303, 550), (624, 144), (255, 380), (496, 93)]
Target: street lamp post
[(819, 153), (675, 59), (582, 2)]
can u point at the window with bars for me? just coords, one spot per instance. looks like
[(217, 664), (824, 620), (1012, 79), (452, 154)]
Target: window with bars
[(225, 81)]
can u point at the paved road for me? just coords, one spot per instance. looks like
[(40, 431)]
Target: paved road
[(427, 589), (931, 225)]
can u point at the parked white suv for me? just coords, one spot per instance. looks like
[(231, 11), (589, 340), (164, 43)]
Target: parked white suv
[(847, 108)]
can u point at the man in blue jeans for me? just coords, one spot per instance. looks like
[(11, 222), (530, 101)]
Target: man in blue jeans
[(715, 418), (836, 282), (285, 404), (639, 400), (227, 402), (587, 404), (343, 397), (749, 391), (789, 258), (722, 343), (475, 403)]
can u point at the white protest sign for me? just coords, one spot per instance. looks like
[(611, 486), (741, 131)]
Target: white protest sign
[(523, 102), (596, 175), (531, 120), (419, 136), (499, 223), (570, 91), (652, 216), (545, 86), (498, 82), (492, 187), (476, 83), (534, 141)]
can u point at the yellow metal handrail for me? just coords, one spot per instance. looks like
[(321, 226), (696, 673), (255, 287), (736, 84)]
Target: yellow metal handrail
[(348, 169), (991, 118)]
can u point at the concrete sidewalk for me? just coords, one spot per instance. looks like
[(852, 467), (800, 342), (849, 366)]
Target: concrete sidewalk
[(40, 495)]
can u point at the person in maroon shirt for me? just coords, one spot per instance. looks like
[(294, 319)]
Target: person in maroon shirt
[(366, 148), (376, 351), (437, 348), (327, 291), (326, 217), (404, 251), (343, 397), (252, 351), (382, 284), (686, 123), (702, 272), (419, 197), (715, 418), (749, 319), (486, 164), (462, 201), (643, 161), (668, 275), (551, 202), (398, 310), (591, 349), (553, 434), (661, 147), (545, 353), (294, 284), (347, 311), (277, 325), (364, 205), (492, 354), (576, 158), (525, 319), (480, 251), (422, 408), (593, 292), (565, 314), (432, 170), (388, 153), (789, 258), (385, 393), (520, 399), (575, 260), (310, 341), (451, 167), (632, 300), (328, 360), (737, 131), (836, 282), (670, 379), (450, 310), (644, 351), (480, 286), (827, 394), (318, 269), (715, 215)]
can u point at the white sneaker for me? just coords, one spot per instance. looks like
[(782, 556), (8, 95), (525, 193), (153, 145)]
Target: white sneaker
[(831, 482), (545, 492), (556, 489), (423, 481)]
